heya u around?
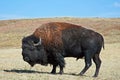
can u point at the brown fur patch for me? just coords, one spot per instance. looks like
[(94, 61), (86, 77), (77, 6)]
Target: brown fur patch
[(50, 33)]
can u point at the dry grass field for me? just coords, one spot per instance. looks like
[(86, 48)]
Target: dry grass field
[(12, 66)]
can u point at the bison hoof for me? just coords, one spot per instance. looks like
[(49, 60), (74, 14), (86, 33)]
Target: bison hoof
[(61, 72), (81, 74), (94, 76), (78, 74), (53, 72)]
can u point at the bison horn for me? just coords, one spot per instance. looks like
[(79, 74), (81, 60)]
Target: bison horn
[(39, 43)]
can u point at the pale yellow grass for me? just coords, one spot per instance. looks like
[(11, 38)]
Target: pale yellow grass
[(12, 67)]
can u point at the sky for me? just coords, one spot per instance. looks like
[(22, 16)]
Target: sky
[(18, 9)]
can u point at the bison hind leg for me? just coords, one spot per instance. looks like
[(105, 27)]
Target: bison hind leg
[(88, 62), (97, 62)]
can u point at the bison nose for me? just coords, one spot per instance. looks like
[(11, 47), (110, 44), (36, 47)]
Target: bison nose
[(26, 59)]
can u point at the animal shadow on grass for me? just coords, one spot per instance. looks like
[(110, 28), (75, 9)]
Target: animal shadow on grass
[(33, 71), (25, 71)]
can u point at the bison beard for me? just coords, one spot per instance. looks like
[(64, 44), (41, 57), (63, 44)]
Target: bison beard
[(54, 41)]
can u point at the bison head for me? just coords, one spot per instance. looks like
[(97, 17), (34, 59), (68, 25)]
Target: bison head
[(33, 51)]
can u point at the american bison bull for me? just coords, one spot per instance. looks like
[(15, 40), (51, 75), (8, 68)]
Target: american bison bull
[(54, 41)]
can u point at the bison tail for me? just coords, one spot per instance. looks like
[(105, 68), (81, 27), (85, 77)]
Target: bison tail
[(103, 43), (103, 46)]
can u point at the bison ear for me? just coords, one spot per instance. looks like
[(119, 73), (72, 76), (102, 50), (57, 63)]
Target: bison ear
[(39, 43)]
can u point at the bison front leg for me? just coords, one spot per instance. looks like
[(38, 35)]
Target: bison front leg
[(61, 63), (58, 60), (61, 70), (54, 69)]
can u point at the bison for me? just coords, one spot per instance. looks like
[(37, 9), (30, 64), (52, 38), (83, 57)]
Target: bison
[(52, 42)]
